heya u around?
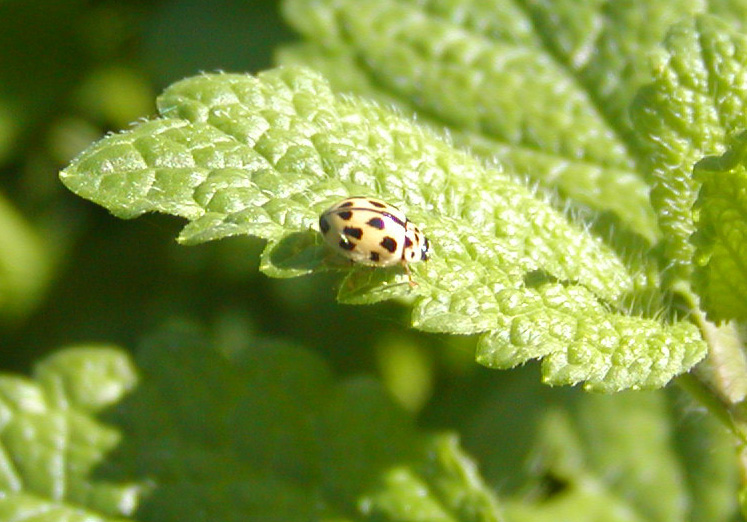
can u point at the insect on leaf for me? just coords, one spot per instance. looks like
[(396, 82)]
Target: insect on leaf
[(265, 155)]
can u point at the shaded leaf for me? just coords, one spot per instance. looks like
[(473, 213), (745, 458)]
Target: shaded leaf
[(51, 445), (268, 434), (255, 429), (443, 486), (624, 458)]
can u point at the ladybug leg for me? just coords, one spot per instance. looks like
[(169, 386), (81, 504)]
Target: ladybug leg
[(413, 284)]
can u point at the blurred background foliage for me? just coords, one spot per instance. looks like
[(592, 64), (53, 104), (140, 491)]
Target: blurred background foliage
[(72, 70)]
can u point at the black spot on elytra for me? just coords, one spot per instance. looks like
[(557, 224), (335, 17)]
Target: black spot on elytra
[(374, 257), (346, 245), (346, 204), (323, 225), (408, 242), (376, 223), (357, 233), (377, 204), (389, 244), (345, 215)]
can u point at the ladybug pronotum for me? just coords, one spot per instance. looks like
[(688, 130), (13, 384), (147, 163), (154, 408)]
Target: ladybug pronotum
[(372, 232)]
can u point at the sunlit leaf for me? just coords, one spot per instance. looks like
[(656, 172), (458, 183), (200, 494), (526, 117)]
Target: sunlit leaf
[(237, 154)]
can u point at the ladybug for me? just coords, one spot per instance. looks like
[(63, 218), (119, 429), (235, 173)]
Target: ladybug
[(372, 232)]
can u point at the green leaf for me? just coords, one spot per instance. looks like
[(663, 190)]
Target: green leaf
[(692, 107), (267, 434), (544, 87), (721, 234), (264, 156), (50, 444), (624, 458), (574, 456), (443, 486), (251, 429), (641, 455), (263, 434), (706, 452), (470, 67)]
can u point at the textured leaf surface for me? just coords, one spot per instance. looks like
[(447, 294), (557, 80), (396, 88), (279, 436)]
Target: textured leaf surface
[(694, 104), (470, 67), (51, 444), (264, 156), (721, 234), (542, 86)]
